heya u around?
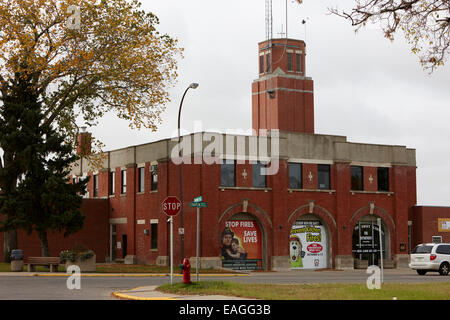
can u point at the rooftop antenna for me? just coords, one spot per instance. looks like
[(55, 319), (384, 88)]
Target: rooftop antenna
[(269, 20)]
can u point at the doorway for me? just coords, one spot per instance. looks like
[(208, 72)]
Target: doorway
[(124, 246), (366, 240)]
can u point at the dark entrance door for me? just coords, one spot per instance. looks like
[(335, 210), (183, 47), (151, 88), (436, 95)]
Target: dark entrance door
[(124, 245), (366, 242)]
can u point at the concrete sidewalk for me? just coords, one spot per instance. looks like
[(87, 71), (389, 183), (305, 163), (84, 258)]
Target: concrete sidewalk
[(149, 293)]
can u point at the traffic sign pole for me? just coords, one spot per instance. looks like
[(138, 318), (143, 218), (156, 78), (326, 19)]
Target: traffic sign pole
[(198, 240), (171, 250)]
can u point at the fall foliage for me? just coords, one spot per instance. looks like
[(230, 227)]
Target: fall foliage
[(425, 24)]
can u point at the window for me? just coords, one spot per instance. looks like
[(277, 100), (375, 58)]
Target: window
[(95, 185), (295, 175), (228, 173), (154, 177), (112, 183), (141, 179), (443, 249), (261, 63), (323, 176), (154, 236), (124, 181), (422, 249), (289, 62), (436, 239), (259, 180), (298, 62), (268, 62), (383, 179), (357, 178)]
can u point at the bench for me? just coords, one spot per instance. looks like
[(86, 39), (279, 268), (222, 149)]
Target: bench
[(42, 261)]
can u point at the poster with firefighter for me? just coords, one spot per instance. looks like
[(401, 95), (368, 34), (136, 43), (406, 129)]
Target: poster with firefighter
[(241, 245), (308, 245)]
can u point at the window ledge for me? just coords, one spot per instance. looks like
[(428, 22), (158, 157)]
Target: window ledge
[(112, 196), (123, 195), (389, 193), (154, 250), (140, 192), (312, 190), (154, 191), (245, 188)]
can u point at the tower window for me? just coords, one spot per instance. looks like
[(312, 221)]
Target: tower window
[(154, 177), (268, 62), (298, 62), (261, 64), (289, 62)]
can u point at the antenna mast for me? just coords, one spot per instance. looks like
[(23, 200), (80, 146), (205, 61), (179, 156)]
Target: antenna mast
[(269, 20)]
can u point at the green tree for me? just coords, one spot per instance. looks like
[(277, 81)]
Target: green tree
[(43, 199), (82, 58)]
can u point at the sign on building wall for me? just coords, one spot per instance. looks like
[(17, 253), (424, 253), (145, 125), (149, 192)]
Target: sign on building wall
[(444, 225), (308, 245), (241, 245)]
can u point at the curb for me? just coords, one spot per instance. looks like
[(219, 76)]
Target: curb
[(62, 274)]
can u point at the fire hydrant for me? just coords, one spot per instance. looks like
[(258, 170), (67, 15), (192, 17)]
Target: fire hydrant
[(186, 267)]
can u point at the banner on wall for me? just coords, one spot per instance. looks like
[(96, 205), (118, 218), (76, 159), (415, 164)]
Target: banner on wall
[(308, 245), (241, 245), (443, 225)]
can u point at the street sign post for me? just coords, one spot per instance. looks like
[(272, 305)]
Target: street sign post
[(171, 206), (197, 203)]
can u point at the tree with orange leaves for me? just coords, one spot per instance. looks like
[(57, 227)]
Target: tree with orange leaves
[(83, 58), (425, 24)]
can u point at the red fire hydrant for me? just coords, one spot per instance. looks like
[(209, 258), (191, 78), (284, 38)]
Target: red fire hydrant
[(186, 271)]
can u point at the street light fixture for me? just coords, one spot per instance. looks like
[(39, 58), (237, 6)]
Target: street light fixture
[(191, 86)]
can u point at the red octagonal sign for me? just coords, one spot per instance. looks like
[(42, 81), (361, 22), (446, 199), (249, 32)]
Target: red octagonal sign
[(171, 206)]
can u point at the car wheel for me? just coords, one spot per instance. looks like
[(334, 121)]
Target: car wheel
[(443, 269), (422, 272)]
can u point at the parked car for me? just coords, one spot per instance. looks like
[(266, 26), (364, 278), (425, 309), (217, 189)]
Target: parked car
[(431, 257)]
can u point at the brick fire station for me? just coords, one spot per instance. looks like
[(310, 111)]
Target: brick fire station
[(330, 203)]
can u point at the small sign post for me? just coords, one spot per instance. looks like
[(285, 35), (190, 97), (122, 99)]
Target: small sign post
[(171, 206), (197, 203), (381, 247)]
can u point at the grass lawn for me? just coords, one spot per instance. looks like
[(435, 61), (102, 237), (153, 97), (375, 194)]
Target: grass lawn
[(402, 291), (120, 268)]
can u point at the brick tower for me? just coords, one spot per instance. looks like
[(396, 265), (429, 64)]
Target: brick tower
[(282, 96)]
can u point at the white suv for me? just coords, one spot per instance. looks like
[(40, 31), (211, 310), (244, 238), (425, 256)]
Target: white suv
[(431, 257)]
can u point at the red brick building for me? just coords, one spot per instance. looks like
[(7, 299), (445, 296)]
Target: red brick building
[(319, 209)]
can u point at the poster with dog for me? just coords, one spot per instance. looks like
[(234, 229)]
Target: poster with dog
[(308, 245)]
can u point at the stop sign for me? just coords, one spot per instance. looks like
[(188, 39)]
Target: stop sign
[(171, 206)]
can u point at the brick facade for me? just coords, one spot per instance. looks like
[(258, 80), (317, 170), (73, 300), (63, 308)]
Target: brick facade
[(282, 99)]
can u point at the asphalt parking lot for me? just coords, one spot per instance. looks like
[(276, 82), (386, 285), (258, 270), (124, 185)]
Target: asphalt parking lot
[(46, 286)]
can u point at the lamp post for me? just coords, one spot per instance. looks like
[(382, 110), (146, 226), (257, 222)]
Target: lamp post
[(191, 86)]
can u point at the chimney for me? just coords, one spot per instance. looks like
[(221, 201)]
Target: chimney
[(84, 142)]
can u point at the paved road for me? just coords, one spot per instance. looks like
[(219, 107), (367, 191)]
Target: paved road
[(23, 287)]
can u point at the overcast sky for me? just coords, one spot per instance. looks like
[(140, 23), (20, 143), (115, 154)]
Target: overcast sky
[(366, 87)]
